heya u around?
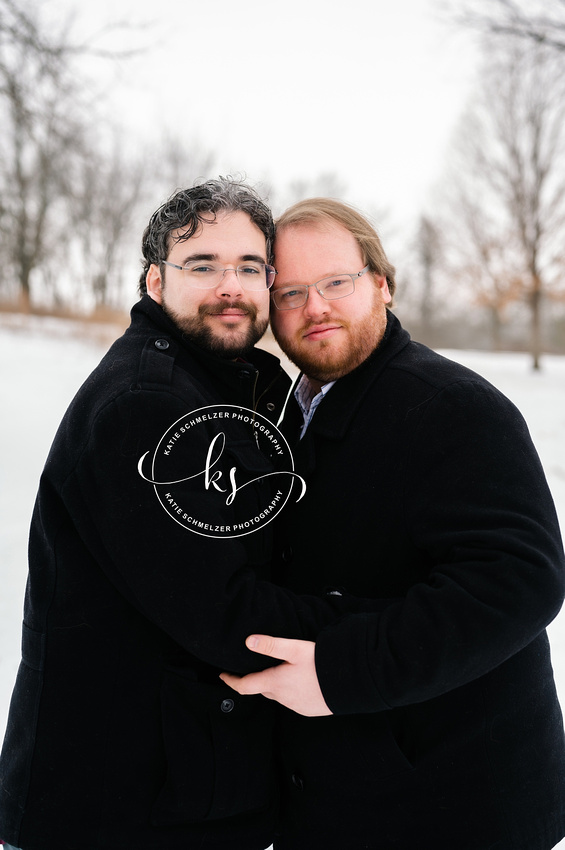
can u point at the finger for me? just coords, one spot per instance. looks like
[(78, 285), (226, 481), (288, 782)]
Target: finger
[(274, 647), (253, 683), (231, 680)]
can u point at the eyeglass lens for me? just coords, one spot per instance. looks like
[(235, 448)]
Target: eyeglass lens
[(329, 288), (251, 275)]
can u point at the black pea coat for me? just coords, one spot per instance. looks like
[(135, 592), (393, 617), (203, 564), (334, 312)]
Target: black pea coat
[(120, 734), (425, 492)]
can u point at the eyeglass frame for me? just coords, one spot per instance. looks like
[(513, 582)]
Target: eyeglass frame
[(270, 270), (307, 286)]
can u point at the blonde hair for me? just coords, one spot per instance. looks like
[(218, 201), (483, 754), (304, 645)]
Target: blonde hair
[(320, 210)]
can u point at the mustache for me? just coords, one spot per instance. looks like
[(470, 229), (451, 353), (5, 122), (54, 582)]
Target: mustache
[(218, 309), (312, 324)]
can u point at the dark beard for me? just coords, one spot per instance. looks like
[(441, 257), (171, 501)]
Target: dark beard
[(231, 343)]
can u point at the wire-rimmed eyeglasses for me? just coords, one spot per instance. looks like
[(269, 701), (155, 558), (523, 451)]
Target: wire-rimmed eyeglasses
[(330, 288), (204, 275)]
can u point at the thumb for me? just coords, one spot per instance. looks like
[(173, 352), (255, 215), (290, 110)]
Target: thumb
[(274, 647)]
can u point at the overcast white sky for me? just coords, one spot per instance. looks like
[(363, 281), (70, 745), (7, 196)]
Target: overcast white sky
[(286, 90)]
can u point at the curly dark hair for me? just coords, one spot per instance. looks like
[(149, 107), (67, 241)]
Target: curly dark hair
[(187, 208)]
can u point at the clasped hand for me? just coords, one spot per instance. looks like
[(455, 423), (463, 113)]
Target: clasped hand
[(293, 684)]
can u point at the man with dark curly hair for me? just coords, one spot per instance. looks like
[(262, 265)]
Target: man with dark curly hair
[(149, 549)]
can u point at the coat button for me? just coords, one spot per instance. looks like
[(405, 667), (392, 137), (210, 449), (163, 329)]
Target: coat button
[(162, 344), (227, 705), (287, 554), (297, 781)]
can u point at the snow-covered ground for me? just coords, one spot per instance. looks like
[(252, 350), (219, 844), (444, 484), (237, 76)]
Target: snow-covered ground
[(42, 364)]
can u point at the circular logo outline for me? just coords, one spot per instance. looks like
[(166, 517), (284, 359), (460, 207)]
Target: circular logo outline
[(254, 417)]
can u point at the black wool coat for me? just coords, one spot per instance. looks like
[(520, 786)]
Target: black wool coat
[(120, 734), (424, 492)]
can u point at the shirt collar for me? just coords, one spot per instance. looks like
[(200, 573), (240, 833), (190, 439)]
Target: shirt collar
[(308, 399)]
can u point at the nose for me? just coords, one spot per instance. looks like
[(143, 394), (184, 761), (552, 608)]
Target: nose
[(229, 285), (316, 307)]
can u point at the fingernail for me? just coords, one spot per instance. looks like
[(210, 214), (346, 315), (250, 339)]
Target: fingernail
[(252, 642)]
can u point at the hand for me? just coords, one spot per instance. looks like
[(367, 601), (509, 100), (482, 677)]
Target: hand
[(294, 684)]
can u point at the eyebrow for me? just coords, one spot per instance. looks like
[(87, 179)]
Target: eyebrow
[(250, 258), (291, 283)]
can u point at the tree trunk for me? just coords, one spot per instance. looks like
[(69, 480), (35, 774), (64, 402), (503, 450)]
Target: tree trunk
[(496, 329), (535, 342)]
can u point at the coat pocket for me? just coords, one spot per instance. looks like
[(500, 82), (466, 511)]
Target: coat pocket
[(218, 750), (374, 737)]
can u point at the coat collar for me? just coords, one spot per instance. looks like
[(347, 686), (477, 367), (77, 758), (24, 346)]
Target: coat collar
[(259, 367)]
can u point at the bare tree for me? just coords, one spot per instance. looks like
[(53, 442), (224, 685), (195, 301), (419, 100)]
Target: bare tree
[(482, 255), (327, 184), (40, 131), (539, 22), (104, 205), (429, 252), (57, 183), (510, 181), (177, 164)]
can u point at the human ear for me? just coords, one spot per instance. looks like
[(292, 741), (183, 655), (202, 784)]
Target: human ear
[(382, 285), (154, 283)]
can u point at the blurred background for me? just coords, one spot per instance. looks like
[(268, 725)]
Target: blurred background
[(442, 120)]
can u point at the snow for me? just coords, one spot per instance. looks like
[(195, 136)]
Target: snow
[(42, 364)]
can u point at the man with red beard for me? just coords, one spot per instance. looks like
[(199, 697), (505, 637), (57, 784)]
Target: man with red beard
[(424, 493)]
